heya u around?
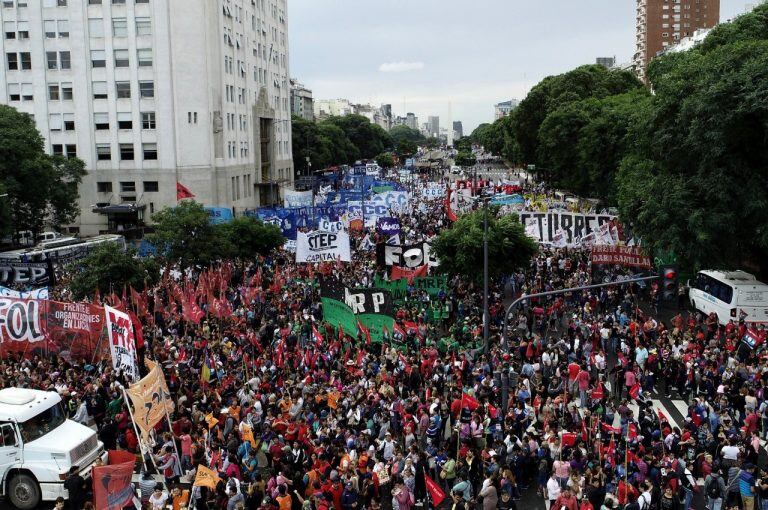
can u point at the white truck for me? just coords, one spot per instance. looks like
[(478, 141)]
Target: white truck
[(39, 445)]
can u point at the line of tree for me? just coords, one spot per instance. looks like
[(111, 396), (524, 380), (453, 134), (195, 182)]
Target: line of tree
[(686, 164)]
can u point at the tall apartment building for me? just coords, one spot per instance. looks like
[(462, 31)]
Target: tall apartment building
[(411, 120), (663, 23), (302, 104), (433, 122), (458, 129), (151, 93), (332, 107)]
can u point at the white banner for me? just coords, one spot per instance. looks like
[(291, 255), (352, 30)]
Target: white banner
[(322, 246), (432, 192), (297, 198), (41, 293), (122, 343), (576, 228), (396, 201)]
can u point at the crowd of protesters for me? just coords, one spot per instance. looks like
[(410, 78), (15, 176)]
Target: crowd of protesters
[(562, 407)]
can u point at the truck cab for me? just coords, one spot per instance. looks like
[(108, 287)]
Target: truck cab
[(39, 445)]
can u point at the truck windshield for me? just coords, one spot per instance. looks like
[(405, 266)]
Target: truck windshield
[(43, 423)]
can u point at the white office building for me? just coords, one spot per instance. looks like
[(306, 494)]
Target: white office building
[(151, 93)]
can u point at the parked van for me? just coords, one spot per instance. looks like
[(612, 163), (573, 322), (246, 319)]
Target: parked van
[(732, 295), (39, 445)]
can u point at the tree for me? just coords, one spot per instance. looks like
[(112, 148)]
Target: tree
[(370, 139), (111, 269), (465, 158), (463, 144), (406, 148), (695, 179), (40, 188), (385, 160), (403, 132), (249, 237), (460, 248), (184, 234)]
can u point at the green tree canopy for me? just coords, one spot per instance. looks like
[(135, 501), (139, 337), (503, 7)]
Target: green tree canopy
[(108, 268), (695, 180), (406, 148), (370, 139), (41, 188), (385, 160), (403, 132), (460, 248), (184, 234), (465, 158), (249, 237)]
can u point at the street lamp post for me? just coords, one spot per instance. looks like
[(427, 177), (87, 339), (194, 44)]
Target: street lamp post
[(486, 318)]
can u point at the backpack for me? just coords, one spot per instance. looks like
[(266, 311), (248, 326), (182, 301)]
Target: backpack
[(713, 490)]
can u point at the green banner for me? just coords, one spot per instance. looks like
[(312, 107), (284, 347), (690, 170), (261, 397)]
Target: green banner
[(399, 288), (382, 189), (338, 313)]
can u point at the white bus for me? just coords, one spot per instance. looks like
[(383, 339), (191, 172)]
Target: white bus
[(732, 295), (63, 250)]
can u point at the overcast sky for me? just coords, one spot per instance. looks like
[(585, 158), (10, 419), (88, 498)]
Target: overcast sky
[(421, 55)]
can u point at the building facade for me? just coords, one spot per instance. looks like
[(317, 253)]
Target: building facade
[(301, 101), (433, 125), (325, 108), (151, 93), (607, 62), (458, 130), (663, 23), (411, 120), (504, 108)]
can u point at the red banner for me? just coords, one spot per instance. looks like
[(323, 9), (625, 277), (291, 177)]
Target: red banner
[(72, 329), (409, 274), (435, 492), (629, 256), (112, 488)]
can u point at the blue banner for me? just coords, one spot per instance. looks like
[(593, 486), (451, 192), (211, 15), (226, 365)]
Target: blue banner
[(219, 214), (388, 226)]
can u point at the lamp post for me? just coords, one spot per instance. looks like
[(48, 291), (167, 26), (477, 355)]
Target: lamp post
[(486, 318)]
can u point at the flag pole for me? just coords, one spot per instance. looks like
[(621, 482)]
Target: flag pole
[(135, 429)]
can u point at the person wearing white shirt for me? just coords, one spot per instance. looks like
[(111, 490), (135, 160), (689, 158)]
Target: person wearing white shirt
[(553, 491)]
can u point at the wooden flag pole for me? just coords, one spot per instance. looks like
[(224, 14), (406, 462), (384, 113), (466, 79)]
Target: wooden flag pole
[(136, 430)]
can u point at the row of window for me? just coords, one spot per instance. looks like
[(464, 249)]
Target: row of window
[(121, 58), (232, 149), (119, 27), (247, 188), (10, 4), (126, 151), (124, 120), (127, 186), (62, 60)]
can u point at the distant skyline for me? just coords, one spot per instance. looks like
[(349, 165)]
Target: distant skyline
[(419, 55)]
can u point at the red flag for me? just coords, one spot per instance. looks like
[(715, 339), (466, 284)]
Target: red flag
[(469, 401), (398, 331), (366, 333), (112, 488), (634, 391), (599, 392), (435, 492), (97, 297), (183, 192), (412, 327), (341, 332), (568, 439), (317, 336), (137, 329), (609, 429), (661, 415), (632, 431), (409, 274), (584, 436)]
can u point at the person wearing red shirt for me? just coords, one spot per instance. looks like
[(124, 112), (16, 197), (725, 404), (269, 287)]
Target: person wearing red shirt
[(566, 501), (573, 372), (583, 381)]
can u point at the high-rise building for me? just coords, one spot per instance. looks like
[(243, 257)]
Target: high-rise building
[(504, 108), (663, 23), (411, 120), (434, 125), (325, 108), (458, 130), (151, 93), (301, 101), (607, 62)]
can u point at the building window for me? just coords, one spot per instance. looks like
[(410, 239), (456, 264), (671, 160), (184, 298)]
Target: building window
[(118, 2), (146, 89), (54, 3), (101, 120), (142, 1), (149, 150), (126, 153), (144, 57), (104, 187), (123, 89), (9, 27), (69, 121), (147, 120), (53, 92), (14, 92), (66, 92), (103, 151), (57, 149), (121, 58), (49, 27), (127, 187), (63, 28), (124, 120), (94, 2), (99, 89), (120, 27), (70, 150), (13, 61), (54, 122), (52, 58), (26, 60), (96, 27), (98, 58), (23, 30), (151, 186), (64, 60), (143, 26)]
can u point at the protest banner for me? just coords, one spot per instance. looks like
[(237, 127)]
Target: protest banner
[(344, 307), (122, 342), (627, 256), (206, 478), (322, 246), (30, 274), (32, 327), (406, 256), (150, 398), (41, 293), (388, 226), (398, 289), (112, 487), (297, 198), (544, 226), (399, 273)]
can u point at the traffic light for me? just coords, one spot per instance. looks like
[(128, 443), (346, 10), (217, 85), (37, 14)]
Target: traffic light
[(669, 283)]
